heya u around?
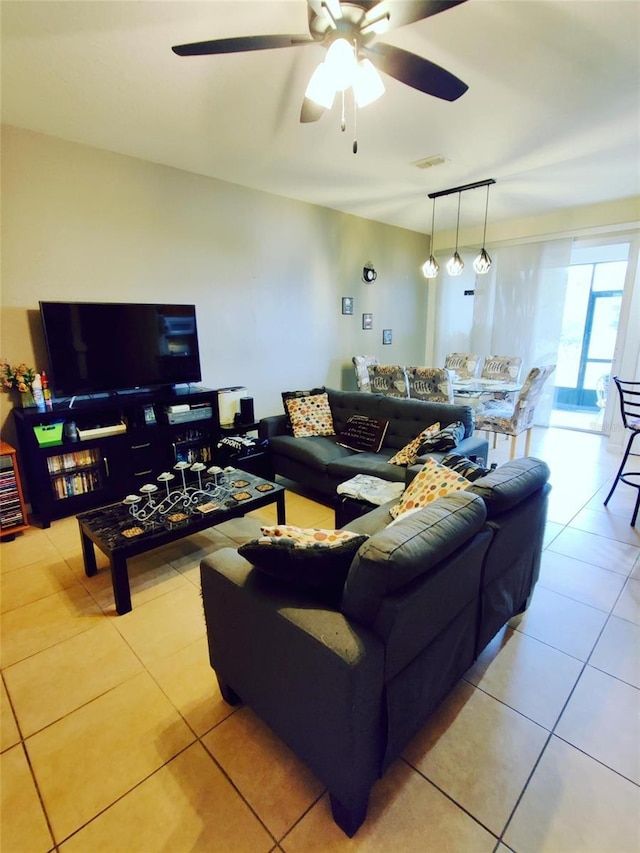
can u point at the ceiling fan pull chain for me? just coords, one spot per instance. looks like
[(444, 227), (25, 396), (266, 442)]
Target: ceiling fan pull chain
[(343, 122), (355, 126)]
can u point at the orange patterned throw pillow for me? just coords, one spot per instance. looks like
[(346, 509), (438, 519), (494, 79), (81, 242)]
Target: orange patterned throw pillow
[(433, 481), (310, 415), (407, 456), (307, 537)]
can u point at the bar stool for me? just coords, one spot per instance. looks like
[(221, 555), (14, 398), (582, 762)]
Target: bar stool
[(630, 411)]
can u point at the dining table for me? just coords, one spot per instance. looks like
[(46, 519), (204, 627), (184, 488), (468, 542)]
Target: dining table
[(476, 392)]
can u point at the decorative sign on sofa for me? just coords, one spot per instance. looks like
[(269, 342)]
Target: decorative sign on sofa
[(363, 433)]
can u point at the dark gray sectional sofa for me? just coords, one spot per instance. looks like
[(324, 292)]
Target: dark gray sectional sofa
[(321, 464), (346, 686)]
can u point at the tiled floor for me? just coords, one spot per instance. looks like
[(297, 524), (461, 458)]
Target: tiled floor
[(115, 737)]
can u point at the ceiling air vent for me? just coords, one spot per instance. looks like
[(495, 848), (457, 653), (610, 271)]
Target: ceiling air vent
[(428, 162)]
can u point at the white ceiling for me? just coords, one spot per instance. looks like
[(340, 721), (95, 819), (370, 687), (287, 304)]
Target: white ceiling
[(552, 111)]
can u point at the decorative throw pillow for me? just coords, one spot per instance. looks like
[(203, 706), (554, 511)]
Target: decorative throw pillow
[(431, 482), (310, 415), (408, 454), (310, 558), (290, 395), (363, 433), (464, 466), (446, 439)]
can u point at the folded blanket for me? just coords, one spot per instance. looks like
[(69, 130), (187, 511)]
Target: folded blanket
[(373, 490)]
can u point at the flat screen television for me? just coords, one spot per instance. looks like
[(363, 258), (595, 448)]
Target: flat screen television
[(96, 347)]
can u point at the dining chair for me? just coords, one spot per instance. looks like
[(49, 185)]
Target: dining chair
[(430, 383), (504, 367), (361, 364), (464, 365), (516, 418), (630, 411), (388, 379)]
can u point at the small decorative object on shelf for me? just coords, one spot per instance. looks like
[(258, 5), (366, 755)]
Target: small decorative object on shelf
[(46, 392), (179, 503), (18, 378), (36, 391)]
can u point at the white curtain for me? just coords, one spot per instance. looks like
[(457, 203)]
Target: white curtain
[(518, 308)]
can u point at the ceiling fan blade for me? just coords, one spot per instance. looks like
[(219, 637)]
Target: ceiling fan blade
[(310, 111), (333, 5), (415, 71), (240, 44), (403, 12)]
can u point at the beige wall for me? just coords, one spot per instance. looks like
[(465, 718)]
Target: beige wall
[(267, 274)]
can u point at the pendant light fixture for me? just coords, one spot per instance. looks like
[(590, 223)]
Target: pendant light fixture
[(431, 267), (455, 265), (482, 262)]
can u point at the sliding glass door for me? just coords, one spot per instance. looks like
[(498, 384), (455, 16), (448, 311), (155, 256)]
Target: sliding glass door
[(588, 336)]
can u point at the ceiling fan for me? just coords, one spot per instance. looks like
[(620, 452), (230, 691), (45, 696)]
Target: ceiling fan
[(348, 30)]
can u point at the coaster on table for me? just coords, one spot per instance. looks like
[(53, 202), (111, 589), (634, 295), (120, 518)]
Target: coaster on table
[(241, 496), (240, 484), (130, 532), (176, 516), (208, 507), (264, 487)]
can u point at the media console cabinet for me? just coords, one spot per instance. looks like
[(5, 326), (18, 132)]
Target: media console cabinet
[(123, 441)]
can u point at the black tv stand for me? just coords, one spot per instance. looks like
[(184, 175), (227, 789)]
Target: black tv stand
[(127, 392), (67, 477)]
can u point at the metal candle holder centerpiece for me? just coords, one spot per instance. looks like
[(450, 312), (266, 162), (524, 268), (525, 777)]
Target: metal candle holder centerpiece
[(182, 499)]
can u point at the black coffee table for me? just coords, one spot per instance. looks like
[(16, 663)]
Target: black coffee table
[(114, 531)]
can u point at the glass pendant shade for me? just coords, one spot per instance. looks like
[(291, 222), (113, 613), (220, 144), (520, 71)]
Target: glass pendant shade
[(430, 267), (320, 89), (482, 262), (367, 84), (341, 64), (455, 265)]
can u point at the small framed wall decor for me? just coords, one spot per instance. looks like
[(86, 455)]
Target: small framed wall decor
[(387, 336), (367, 321), (347, 304)]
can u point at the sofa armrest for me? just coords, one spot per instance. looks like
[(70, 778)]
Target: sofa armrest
[(273, 425), (505, 487)]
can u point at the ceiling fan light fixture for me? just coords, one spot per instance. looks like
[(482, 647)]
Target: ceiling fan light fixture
[(320, 89), (367, 84), (340, 63)]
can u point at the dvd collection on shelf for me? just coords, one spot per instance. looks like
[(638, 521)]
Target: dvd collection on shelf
[(74, 473), (11, 514), (192, 445), (69, 461)]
